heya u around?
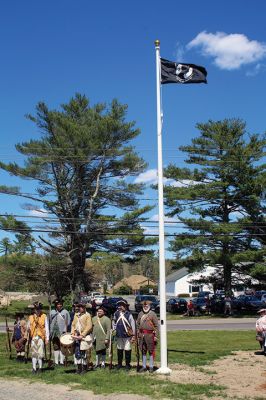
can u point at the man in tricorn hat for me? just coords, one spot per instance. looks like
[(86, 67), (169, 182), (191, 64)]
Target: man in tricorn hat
[(101, 335), (38, 329), (261, 328), (148, 332), (80, 330), (59, 321), (124, 327)]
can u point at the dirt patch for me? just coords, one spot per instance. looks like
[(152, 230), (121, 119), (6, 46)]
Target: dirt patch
[(10, 390), (243, 374)]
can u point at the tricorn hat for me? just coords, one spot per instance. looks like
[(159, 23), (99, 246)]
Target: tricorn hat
[(122, 302), (81, 304), (101, 307), (37, 305), (58, 301)]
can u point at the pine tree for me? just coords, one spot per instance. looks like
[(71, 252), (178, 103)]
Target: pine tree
[(219, 197), (81, 165)]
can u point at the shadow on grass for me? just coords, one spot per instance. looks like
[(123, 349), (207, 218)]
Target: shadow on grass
[(185, 351)]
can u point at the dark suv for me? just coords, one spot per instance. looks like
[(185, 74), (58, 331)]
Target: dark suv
[(155, 306)]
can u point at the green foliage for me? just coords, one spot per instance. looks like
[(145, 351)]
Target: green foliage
[(80, 164), (148, 289), (122, 290), (218, 199)]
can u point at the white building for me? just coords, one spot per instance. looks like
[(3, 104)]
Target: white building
[(180, 282), (183, 282)]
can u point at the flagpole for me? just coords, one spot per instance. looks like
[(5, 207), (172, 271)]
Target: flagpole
[(163, 332)]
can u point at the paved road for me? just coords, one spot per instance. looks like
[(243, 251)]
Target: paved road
[(214, 324)]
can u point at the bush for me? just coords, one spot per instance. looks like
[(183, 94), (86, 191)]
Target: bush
[(184, 295), (146, 290), (123, 290)]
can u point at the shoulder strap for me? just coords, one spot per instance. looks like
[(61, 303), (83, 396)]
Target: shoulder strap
[(99, 322)]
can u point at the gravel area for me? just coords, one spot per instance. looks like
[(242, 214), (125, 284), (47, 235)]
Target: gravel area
[(18, 389)]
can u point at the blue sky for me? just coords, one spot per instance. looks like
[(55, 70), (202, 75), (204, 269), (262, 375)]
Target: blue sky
[(52, 49)]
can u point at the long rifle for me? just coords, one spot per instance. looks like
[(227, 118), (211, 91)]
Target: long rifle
[(111, 349), (9, 348), (28, 347), (137, 345)]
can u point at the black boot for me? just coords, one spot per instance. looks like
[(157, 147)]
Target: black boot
[(79, 369), (128, 359), (119, 358), (83, 368)]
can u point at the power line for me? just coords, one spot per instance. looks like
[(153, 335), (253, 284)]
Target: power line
[(143, 220), (209, 236)]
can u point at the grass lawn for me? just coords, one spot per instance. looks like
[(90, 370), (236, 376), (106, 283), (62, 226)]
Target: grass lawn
[(194, 348), (197, 348)]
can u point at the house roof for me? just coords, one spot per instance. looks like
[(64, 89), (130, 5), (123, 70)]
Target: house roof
[(135, 282), (178, 274)]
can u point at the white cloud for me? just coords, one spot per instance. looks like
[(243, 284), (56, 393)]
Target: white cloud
[(149, 176), (230, 51), (41, 212), (150, 231), (253, 72), (181, 183), (179, 52), (155, 217)]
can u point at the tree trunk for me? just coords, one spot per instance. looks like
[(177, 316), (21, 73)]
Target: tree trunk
[(228, 279)]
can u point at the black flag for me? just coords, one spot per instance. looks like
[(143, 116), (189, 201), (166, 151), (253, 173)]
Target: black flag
[(173, 72)]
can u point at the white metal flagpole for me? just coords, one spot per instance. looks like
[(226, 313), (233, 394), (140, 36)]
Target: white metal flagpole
[(163, 332)]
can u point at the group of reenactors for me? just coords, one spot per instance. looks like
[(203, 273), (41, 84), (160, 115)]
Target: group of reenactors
[(77, 333)]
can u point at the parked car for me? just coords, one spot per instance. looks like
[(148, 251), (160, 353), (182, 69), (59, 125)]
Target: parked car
[(205, 294), (111, 304), (220, 292), (263, 298), (200, 305), (176, 305), (83, 297), (93, 294), (155, 306), (260, 293), (98, 299), (249, 303)]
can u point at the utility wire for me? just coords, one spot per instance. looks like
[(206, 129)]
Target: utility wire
[(209, 236)]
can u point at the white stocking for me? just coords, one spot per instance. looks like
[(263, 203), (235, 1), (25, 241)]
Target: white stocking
[(62, 358), (56, 356), (34, 363)]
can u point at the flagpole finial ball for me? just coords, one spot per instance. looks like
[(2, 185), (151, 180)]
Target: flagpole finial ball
[(157, 43)]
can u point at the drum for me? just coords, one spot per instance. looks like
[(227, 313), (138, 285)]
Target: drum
[(67, 344)]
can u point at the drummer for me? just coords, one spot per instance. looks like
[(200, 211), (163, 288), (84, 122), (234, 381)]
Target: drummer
[(81, 328), (59, 322)]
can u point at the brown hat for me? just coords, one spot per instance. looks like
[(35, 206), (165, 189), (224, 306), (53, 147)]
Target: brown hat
[(37, 305), (146, 303), (101, 308), (81, 304)]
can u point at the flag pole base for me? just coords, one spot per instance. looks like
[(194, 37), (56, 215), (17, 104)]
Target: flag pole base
[(163, 371)]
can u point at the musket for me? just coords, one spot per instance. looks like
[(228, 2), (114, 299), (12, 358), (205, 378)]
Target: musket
[(111, 350), (9, 348), (137, 345), (28, 347)]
